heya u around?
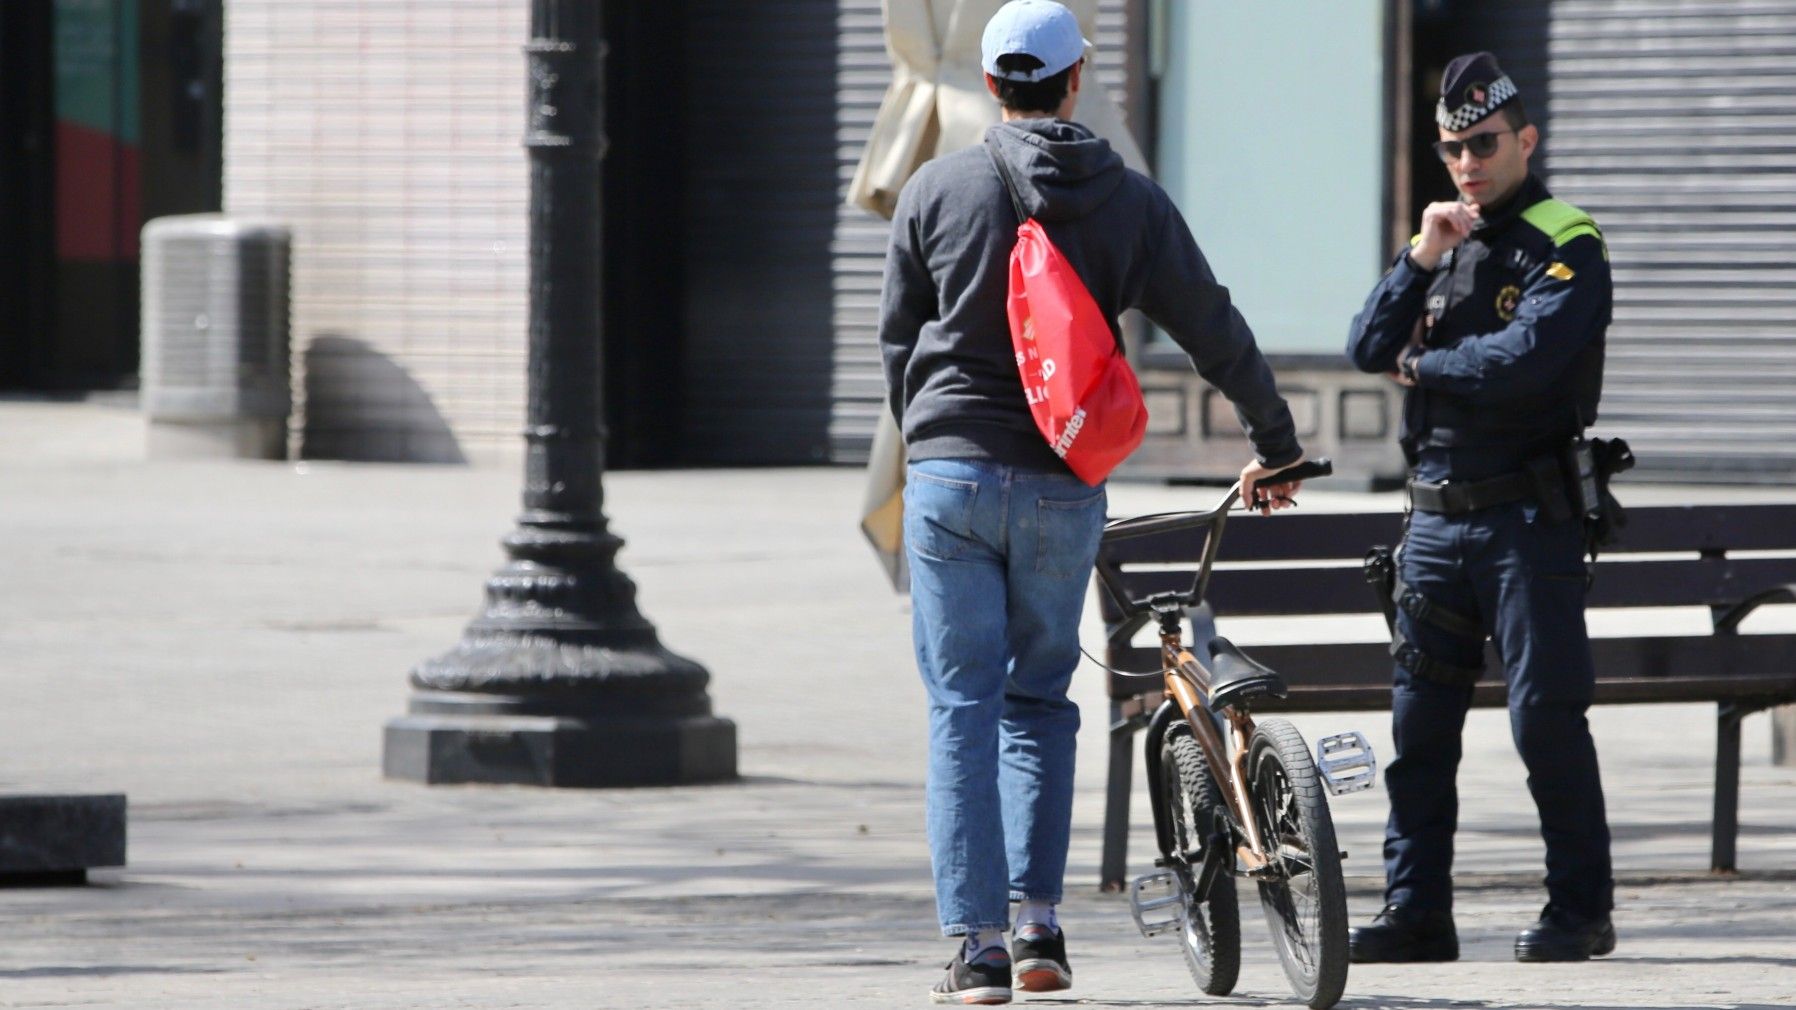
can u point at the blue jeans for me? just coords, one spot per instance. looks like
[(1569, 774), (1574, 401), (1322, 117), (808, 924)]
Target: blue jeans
[(999, 561)]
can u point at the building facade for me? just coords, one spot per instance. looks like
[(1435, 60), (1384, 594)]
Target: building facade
[(741, 289), (109, 115)]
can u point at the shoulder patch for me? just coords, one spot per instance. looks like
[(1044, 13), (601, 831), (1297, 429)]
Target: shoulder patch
[(1561, 221), (1561, 271)]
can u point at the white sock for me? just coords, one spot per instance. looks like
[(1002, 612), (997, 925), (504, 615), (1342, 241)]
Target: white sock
[(982, 941), (1036, 915)]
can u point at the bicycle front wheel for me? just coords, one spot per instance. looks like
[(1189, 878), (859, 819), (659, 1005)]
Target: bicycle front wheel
[(1305, 900), (1211, 930)]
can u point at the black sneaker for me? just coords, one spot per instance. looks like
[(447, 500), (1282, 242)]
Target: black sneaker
[(1039, 961), (983, 982)]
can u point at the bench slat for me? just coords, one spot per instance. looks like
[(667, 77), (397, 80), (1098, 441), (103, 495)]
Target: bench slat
[(1619, 691), (1658, 583), (1284, 538), (1743, 665), (1337, 535), (1765, 527)]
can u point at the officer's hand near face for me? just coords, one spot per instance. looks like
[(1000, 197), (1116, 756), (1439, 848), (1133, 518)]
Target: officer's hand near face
[(1444, 226)]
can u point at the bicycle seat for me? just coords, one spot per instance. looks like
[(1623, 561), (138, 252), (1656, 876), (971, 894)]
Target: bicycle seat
[(1235, 678)]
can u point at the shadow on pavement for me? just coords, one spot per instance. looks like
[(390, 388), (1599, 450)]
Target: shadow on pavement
[(105, 970), (1781, 962), (1407, 1003)]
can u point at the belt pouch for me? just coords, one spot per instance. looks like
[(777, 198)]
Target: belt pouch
[(1550, 492)]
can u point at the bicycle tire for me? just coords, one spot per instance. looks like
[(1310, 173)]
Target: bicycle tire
[(1307, 917), (1211, 934)]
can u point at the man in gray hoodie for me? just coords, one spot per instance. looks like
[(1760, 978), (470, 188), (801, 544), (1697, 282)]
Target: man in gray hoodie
[(1001, 535)]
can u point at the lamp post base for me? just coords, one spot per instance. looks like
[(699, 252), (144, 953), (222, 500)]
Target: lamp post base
[(560, 681), (564, 751)]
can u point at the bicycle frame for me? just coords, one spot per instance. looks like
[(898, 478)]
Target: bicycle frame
[(1269, 824), (1188, 685), (1187, 681)]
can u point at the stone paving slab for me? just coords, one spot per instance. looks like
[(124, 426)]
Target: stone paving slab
[(1686, 944), (223, 642)]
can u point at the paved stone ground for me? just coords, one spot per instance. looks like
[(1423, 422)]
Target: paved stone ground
[(223, 642)]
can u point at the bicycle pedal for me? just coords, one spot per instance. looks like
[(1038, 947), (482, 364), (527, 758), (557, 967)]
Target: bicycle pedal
[(1346, 763), (1153, 894)]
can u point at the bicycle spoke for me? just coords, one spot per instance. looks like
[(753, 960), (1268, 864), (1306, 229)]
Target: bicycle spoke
[(1302, 898), (1291, 897), (1210, 928)]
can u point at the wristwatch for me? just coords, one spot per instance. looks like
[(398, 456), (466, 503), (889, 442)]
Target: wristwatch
[(1407, 361)]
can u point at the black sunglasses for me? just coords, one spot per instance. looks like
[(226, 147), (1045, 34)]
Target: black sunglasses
[(1482, 145)]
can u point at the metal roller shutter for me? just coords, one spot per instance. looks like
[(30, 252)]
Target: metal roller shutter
[(857, 395), (760, 209), (782, 276), (1672, 126), (857, 384), (1516, 32)]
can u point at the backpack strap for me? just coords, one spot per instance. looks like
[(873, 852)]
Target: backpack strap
[(991, 151)]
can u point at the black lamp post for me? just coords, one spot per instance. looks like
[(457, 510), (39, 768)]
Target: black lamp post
[(561, 681)]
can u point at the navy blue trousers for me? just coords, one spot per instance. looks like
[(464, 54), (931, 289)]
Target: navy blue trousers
[(1525, 578)]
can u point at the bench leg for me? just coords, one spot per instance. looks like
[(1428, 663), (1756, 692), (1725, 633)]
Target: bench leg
[(1727, 786), (1116, 802)]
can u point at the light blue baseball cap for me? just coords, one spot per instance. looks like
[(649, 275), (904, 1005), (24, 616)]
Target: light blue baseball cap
[(1039, 28)]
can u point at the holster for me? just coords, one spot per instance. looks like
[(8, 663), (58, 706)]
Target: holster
[(1609, 456), (1584, 467), (1381, 574)]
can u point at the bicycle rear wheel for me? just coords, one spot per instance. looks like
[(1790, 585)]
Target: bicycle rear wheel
[(1306, 902), (1211, 932)]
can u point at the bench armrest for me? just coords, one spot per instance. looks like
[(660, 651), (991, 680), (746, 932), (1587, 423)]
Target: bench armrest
[(1727, 621)]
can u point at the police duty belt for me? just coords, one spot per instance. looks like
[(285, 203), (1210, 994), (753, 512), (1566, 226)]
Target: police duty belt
[(1451, 498)]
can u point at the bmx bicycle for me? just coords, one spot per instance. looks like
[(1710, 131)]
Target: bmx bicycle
[(1233, 798)]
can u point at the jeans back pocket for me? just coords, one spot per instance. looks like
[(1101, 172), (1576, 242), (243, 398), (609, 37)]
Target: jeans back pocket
[(938, 514), (1067, 535)]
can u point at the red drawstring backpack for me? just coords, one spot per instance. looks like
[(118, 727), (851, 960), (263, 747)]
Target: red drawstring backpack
[(1081, 389)]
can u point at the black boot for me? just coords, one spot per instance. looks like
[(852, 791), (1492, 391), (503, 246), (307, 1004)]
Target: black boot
[(1565, 936), (1401, 933)]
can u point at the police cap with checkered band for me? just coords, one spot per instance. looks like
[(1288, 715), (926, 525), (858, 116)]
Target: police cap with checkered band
[(1472, 88)]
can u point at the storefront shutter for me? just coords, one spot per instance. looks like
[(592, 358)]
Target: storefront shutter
[(857, 386), (1671, 124)]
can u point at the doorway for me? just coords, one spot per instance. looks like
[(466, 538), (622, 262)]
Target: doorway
[(109, 115)]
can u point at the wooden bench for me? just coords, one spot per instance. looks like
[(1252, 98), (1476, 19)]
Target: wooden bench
[(1671, 556)]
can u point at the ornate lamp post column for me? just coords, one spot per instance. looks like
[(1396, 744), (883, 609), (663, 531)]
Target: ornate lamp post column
[(561, 681)]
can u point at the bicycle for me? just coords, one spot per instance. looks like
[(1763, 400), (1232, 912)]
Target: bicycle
[(1250, 807)]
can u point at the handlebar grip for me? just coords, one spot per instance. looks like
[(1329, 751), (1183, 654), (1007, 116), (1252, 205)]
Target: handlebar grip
[(1303, 471)]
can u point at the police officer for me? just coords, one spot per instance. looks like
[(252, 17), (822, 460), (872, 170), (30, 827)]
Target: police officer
[(1493, 321)]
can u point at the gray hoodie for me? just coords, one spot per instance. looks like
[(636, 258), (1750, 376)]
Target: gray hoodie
[(951, 375)]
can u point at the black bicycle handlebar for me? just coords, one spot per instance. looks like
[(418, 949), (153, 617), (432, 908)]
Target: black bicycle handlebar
[(1141, 526), (1305, 470), (1149, 525)]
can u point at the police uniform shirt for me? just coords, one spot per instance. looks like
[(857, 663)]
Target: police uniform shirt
[(1514, 320)]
